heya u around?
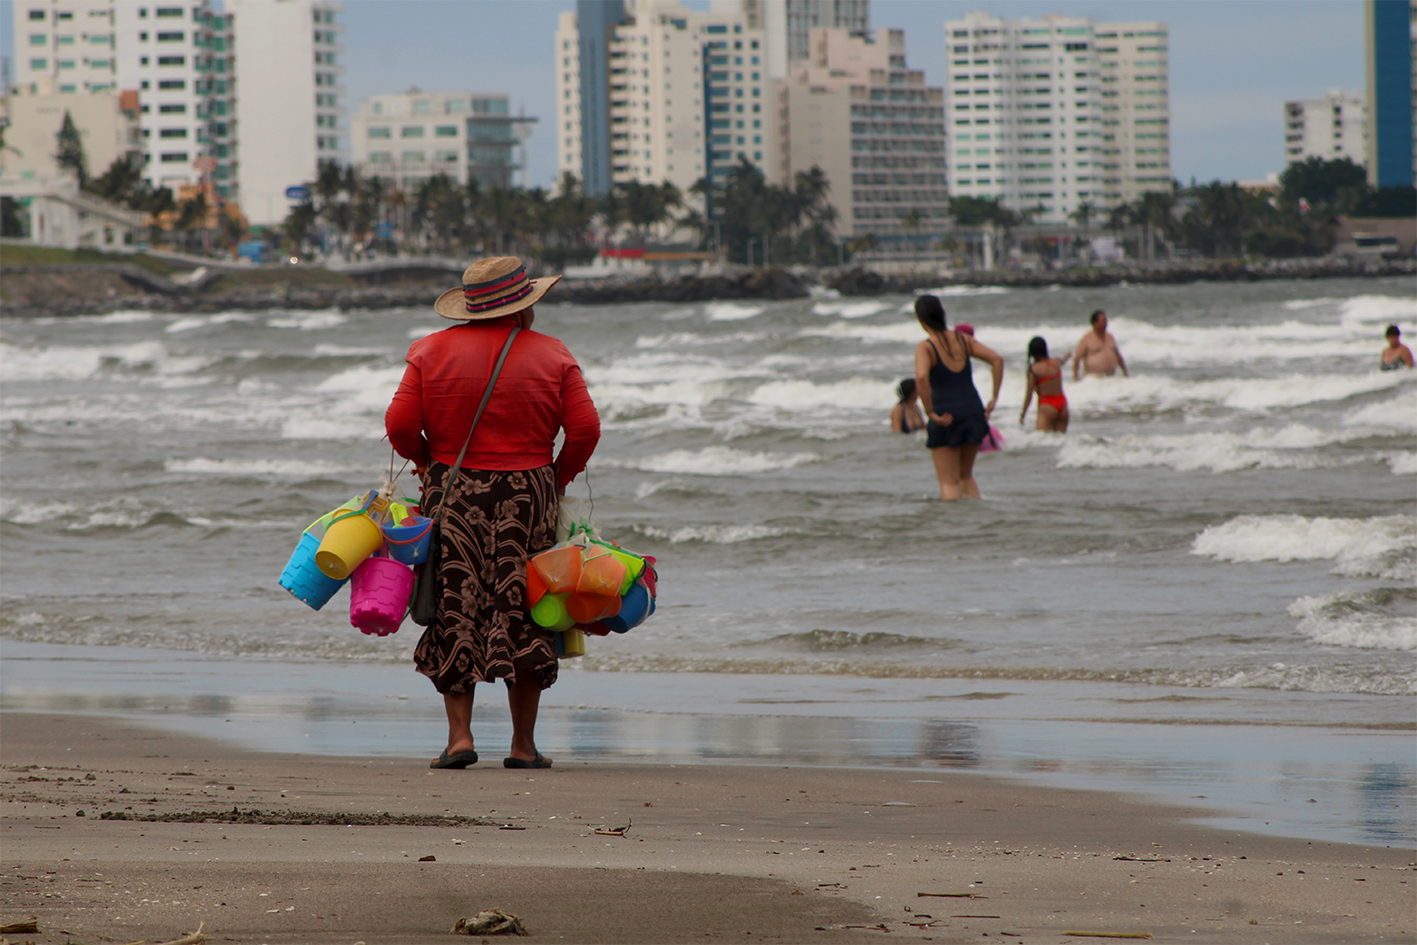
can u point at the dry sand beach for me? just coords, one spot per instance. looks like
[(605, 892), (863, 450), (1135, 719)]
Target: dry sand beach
[(711, 853)]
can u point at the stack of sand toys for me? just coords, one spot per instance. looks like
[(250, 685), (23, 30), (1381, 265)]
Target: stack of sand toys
[(589, 586), (370, 543)]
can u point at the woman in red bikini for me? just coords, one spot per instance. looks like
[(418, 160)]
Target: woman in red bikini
[(1045, 375)]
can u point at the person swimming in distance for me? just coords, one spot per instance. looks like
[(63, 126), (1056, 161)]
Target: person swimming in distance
[(1097, 351), (1045, 375), (905, 415), (1396, 355)]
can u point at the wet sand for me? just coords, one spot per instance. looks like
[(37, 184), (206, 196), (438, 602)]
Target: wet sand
[(710, 853)]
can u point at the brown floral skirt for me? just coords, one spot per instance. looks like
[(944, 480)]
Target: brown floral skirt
[(484, 629)]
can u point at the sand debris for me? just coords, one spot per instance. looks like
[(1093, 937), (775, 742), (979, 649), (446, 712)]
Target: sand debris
[(1143, 859), (24, 926), (1111, 934), (490, 922), (951, 895), (300, 818), (614, 831)]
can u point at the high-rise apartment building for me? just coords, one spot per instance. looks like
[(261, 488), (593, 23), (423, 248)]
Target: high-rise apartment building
[(1032, 122), (1333, 127), (410, 137), (854, 109), (1133, 61), (289, 106), (786, 24), (1391, 32), (662, 93), (176, 57)]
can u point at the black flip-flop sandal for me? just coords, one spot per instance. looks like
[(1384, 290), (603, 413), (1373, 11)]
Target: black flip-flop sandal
[(461, 760), (537, 762)]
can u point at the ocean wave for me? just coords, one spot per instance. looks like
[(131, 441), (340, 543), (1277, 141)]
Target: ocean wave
[(1213, 452), (731, 311), (711, 534), (858, 393), (844, 641), (1300, 305), (851, 308), (192, 322), (78, 363), (1377, 310), (957, 291), (300, 468), (309, 321), (1380, 547), (1360, 619), (715, 461), (1399, 414)]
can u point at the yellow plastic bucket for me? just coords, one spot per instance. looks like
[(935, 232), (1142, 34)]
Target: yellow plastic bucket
[(347, 542)]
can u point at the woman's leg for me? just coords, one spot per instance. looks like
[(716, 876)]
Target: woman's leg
[(458, 705), (968, 487), (524, 699), (1062, 422), (1047, 418), (947, 471)]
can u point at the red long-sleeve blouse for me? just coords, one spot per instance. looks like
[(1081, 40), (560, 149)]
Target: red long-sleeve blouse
[(539, 392)]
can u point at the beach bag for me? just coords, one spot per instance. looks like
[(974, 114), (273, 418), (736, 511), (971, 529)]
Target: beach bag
[(427, 589)]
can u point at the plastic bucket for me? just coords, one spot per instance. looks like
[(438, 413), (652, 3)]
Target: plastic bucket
[(634, 564), (588, 608), (560, 568), (408, 541), (347, 542), (304, 579), (634, 608), (535, 587), (378, 595), (550, 612), (570, 643), (601, 574)]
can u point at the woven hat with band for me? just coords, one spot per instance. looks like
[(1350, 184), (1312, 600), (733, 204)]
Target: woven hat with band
[(492, 287)]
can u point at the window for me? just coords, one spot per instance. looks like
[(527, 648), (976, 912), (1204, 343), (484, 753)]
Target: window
[(39, 64), (172, 60), (171, 84), (64, 40), (169, 37), (36, 14), (381, 157), (172, 133), (178, 109), (447, 157), (446, 131), (39, 39), (167, 12), (65, 63), (412, 157), (380, 133), (411, 131), (173, 157)]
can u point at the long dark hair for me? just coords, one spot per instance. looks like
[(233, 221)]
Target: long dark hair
[(1037, 350), (905, 390), (931, 312)]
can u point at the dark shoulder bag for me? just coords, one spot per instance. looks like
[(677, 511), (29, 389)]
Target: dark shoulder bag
[(427, 588)]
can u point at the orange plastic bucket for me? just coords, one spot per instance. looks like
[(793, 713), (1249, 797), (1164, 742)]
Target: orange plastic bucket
[(560, 568), (601, 574)]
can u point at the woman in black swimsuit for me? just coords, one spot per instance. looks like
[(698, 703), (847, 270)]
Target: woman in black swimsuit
[(905, 415), (959, 420)]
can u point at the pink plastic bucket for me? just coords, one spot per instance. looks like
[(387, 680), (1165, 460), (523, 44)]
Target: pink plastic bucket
[(379, 591)]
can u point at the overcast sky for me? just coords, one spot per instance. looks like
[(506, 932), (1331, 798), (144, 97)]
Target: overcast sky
[(1233, 62)]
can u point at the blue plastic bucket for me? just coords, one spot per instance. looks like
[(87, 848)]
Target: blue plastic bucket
[(304, 579), (634, 608), (407, 542)]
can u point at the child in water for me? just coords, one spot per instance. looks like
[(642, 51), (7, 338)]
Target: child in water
[(905, 415)]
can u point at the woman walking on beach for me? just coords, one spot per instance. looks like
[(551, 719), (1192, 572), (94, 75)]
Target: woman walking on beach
[(502, 502), (959, 421), (1045, 375)]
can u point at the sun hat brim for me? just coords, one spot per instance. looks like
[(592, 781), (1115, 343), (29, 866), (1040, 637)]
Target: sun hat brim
[(452, 304)]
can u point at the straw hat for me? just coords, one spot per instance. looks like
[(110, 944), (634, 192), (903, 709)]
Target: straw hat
[(495, 286)]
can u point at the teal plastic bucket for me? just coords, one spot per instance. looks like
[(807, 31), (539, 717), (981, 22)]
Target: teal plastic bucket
[(304, 579), (408, 541)]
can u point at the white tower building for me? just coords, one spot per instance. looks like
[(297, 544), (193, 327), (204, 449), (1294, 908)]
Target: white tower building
[(787, 23), (1026, 115), (64, 46), (289, 110), (1333, 127), (688, 96)]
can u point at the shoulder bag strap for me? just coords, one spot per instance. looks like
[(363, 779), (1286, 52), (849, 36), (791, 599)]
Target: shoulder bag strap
[(486, 395)]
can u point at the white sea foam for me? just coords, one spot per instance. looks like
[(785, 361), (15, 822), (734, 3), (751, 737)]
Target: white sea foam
[(956, 291), (76, 363), (1342, 619), (1377, 309), (713, 534), (1382, 547), (716, 461), (731, 311), (859, 393), (255, 467), (309, 321), (1401, 463), (851, 309), (1398, 413), (1214, 452), (33, 513), (191, 322), (311, 427), (1300, 305)]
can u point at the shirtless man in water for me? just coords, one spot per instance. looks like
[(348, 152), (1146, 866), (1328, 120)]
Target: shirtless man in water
[(1097, 352)]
